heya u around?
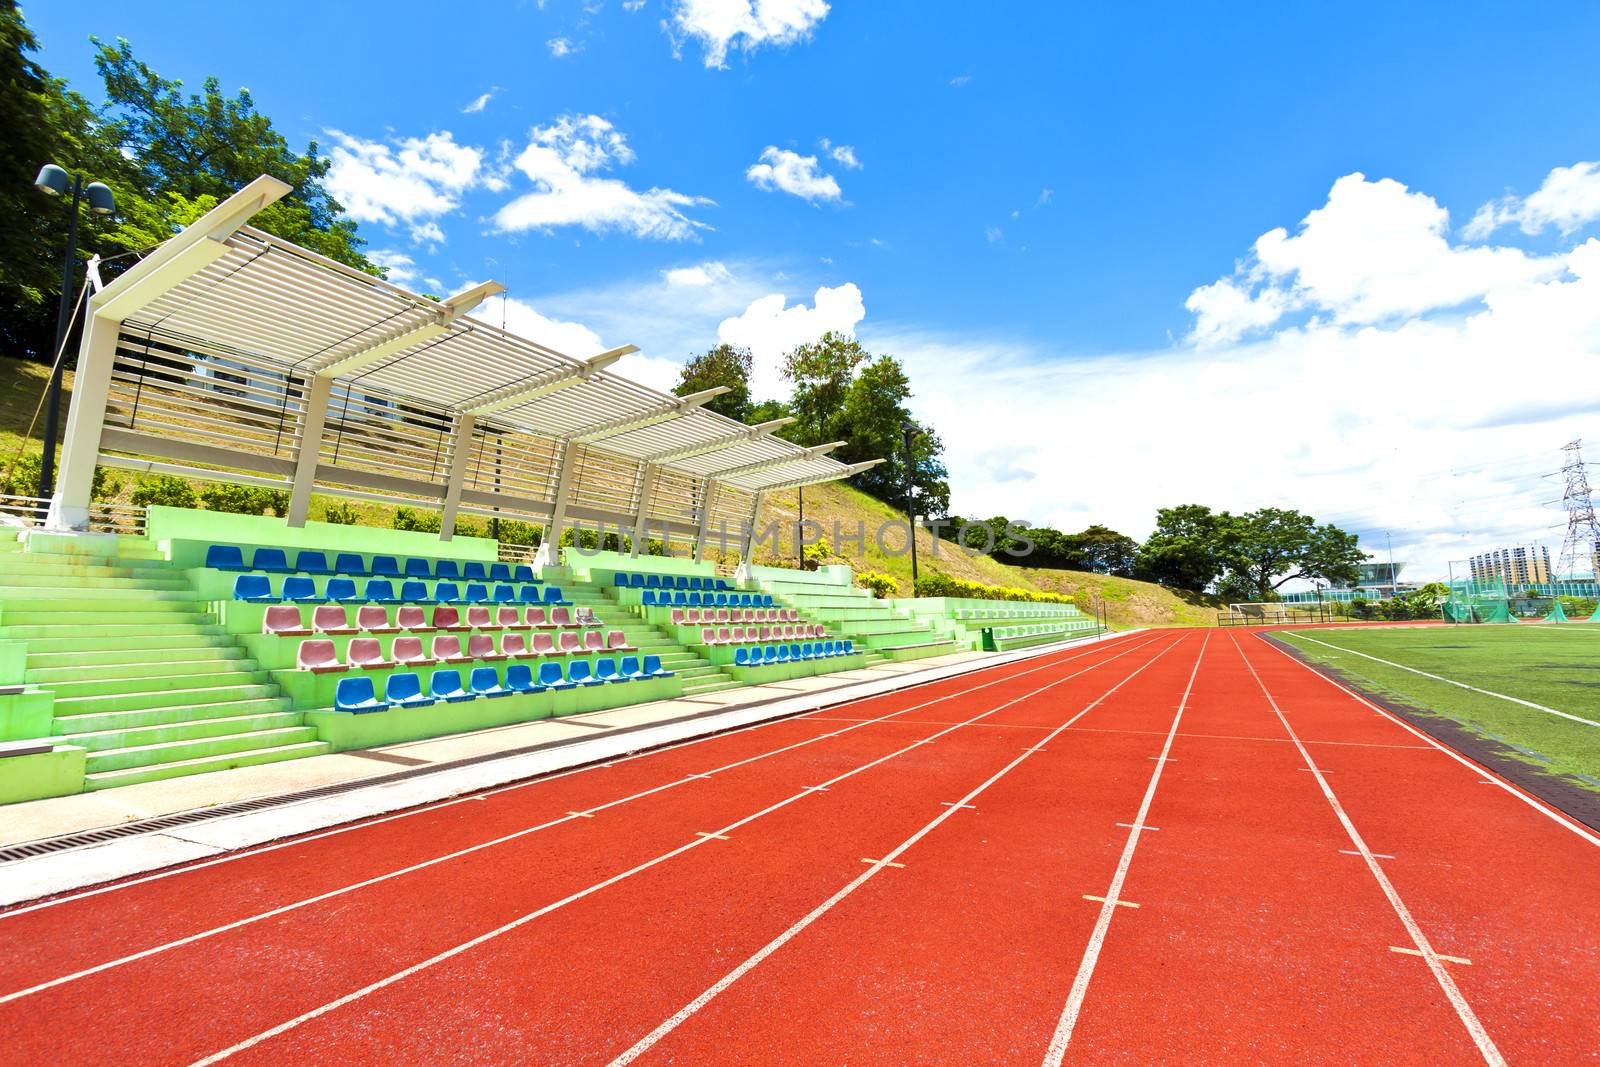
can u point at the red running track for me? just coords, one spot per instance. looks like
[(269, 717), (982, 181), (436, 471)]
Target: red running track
[(1179, 846)]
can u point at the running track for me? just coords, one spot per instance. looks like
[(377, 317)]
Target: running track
[(1174, 846)]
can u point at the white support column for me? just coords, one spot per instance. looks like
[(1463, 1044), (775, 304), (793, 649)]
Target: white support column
[(707, 498), (641, 515), (549, 554), (747, 539), (80, 445), (313, 417), (460, 449)]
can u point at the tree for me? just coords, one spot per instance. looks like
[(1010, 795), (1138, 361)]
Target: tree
[(822, 372), (1185, 550), (1104, 551), (722, 365), (1271, 546)]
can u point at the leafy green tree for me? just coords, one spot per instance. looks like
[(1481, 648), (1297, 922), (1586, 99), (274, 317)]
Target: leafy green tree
[(1271, 546), (1104, 551), (1186, 549), (766, 411), (723, 365), (822, 372)]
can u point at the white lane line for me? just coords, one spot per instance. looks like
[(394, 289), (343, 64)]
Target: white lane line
[(711, 837), (1091, 952), (1377, 855), (1442, 956), (524, 919), (881, 863), (1459, 685), (1527, 798), (647, 1042), (1107, 900), (469, 850), (1129, 825), (1424, 948), (955, 804), (531, 783)]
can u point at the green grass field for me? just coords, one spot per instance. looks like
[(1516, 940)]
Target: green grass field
[(1557, 667)]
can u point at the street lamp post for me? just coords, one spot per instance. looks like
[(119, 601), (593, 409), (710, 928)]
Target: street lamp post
[(911, 506), (55, 181)]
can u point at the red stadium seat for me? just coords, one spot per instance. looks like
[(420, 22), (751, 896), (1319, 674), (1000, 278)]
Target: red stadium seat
[(319, 656), (284, 620)]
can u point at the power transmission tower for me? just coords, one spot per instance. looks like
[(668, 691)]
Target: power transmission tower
[(1583, 530)]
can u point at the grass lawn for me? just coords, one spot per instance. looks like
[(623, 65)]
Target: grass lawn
[(1555, 666)]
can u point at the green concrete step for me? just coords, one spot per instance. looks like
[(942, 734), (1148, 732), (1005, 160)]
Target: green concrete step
[(65, 576), (117, 759), (167, 698), (96, 654), (932, 648), (113, 596), (95, 639), (127, 720), (690, 689), (226, 761), (142, 677), (138, 736)]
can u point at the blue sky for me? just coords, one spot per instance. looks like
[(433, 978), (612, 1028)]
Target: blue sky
[(1025, 202)]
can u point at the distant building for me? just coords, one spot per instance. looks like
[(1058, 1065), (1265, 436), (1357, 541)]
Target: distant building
[(1513, 566)]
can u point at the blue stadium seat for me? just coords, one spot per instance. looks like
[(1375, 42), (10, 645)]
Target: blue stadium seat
[(413, 592), (446, 593), (795, 651), (606, 670), (636, 580), (446, 569), (694, 600), (405, 691), (652, 581), (550, 677), (418, 568), (741, 656), (618, 579), (579, 674), (311, 562), (723, 583), (499, 572), (680, 600), (681, 582), (649, 599), (552, 595), (504, 594), (477, 593), (379, 591), (270, 559), (630, 668), (486, 683), (349, 563), (524, 573), (519, 678), (385, 567), (355, 695), (653, 668), (696, 584), (342, 590), (446, 685), (474, 571), (254, 588), (300, 590), (225, 558), (849, 647), (529, 595)]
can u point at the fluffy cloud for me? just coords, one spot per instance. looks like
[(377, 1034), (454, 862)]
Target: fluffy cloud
[(401, 268), (698, 276), (478, 103), (1375, 251), (1568, 200), (842, 154), (561, 47), (720, 25), (408, 180), (563, 161), (781, 170), (770, 330), (570, 338)]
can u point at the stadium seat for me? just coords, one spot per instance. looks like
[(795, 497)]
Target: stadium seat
[(447, 649), (529, 595), (579, 673), (446, 593), (378, 591), (446, 685), (374, 619), (446, 617), (536, 619), (413, 592), (648, 600), (385, 567), (254, 589), (552, 595), (708, 636), (366, 654), (481, 646), (411, 617), (298, 590), (504, 594), (418, 568), (849, 647), (486, 683), (724, 636), (515, 646), (570, 643), (617, 641), (225, 558), (524, 573), (679, 616), (636, 581), (477, 593), (605, 670), (474, 571), (309, 561), (284, 620), (331, 619), (618, 579), (499, 572), (405, 691), (630, 668), (478, 618), (681, 582), (550, 677), (350, 564), (445, 569), (542, 644), (407, 651), (355, 695), (680, 600), (594, 641), (270, 559), (652, 581), (507, 618), (560, 617), (519, 678), (318, 656), (741, 657), (653, 668)]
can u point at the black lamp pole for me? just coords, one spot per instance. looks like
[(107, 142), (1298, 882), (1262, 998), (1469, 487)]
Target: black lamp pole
[(911, 507)]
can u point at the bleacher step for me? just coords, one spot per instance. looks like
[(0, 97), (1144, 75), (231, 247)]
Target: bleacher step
[(67, 682), (161, 699), (226, 761), (116, 759), (136, 736), (94, 654), (95, 722)]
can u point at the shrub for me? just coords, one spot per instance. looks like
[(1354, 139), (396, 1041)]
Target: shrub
[(339, 513), (164, 490), (421, 521), (518, 532), (244, 499), (468, 528), (816, 554), (883, 586), (936, 584)]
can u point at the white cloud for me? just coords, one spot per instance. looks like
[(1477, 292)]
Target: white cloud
[(560, 47), (720, 25), (1044, 196), (698, 276), (1568, 200), (478, 103), (563, 160), (570, 338), (1374, 251), (781, 170), (427, 232), (842, 154), (631, 6), (401, 268), (771, 330), (993, 234), (960, 79), (403, 181)]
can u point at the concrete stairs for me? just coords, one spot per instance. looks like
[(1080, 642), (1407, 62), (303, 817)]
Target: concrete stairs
[(699, 674), (143, 677), (855, 613)]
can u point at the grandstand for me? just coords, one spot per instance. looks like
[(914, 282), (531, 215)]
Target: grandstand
[(151, 645)]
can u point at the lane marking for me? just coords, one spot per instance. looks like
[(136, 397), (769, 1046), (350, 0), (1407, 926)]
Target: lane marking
[(1527, 798), (1460, 685), (1091, 952), (816, 789), (543, 779), (514, 835), (582, 814), (955, 804), (1376, 855), (1118, 903), (1442, 956), (1129, 825), (524, 919), (1452, 992), (881, 863), (1230, 737), (711, 837)]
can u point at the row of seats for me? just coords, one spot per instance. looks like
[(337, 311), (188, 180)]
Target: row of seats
[(1043, 612), (694, 616), (285, 620), (257, 589), (669, 581), (358, 695), (739, 635), (275, 560), (707, 600), (321, 656), (761, 657)]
